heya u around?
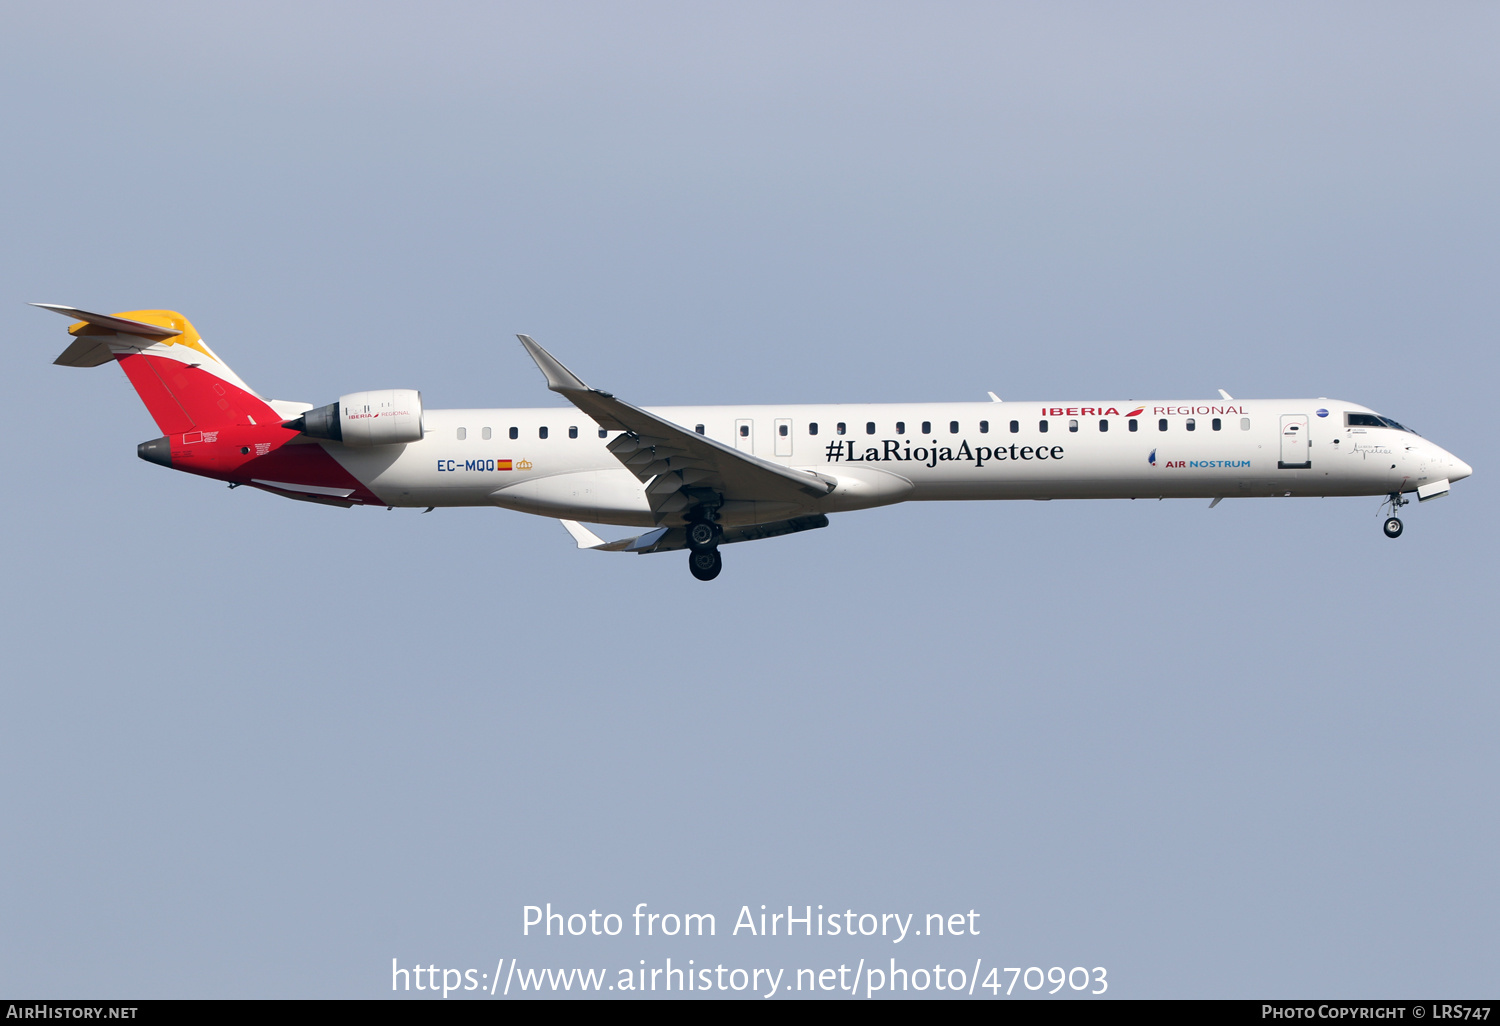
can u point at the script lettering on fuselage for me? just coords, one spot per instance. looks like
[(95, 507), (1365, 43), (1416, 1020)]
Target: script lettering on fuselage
[(899, 450)]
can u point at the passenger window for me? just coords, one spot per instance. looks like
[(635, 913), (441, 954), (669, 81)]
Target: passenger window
[(984, 427), (745, 431), (926, 427), (869, 427), (1015, 427), (900, 427), (1161, 425), (541, 432), (485, 434), (1192, 425), (953, 427), (1244, 423), (1218, 424), (1073, 425), (839, 427), (573, 432), (783, 430), (1103, 425), (515, 432), (698, 428), (463, 433), (1134, 424), (1042, 427), (605, 434)]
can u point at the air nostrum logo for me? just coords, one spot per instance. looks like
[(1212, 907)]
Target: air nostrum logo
[(897, 450)]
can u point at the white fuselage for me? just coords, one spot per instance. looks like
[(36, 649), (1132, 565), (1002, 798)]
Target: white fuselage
[(891, 452)]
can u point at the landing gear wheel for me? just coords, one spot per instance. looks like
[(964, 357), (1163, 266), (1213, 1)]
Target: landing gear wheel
[(702, 535), (1393, 527), (705, 564)]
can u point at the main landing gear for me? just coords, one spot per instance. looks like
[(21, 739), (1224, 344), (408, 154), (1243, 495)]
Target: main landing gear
[(703, 549), (1393, 526), (705, 563)]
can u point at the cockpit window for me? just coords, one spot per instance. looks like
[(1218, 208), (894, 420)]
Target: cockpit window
[(1369, 420)]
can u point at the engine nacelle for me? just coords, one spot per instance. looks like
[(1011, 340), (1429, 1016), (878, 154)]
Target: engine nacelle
[(382, 417)]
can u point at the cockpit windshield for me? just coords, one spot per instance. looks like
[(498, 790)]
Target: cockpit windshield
[(1369, 420)]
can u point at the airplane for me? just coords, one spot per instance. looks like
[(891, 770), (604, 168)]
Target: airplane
[(700, 477)]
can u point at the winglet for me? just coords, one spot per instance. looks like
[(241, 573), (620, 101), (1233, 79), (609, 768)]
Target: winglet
[(1226, 395), (559, 378), (995, 398), (585, 538)]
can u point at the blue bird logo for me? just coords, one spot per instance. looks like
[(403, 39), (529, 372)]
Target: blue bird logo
[(1152, 458)]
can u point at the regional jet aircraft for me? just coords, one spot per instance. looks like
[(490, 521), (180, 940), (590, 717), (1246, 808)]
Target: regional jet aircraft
[(700, 477)]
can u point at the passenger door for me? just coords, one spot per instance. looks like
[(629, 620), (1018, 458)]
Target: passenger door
[(1296, 447), (783, 437), (744, 435)]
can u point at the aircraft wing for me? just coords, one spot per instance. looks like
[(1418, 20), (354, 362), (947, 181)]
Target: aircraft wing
[(678, 465)]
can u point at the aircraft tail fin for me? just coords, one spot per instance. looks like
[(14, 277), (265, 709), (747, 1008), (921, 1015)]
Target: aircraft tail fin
[(183, 383)]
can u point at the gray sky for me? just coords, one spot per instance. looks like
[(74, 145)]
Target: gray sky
[(258, 748)]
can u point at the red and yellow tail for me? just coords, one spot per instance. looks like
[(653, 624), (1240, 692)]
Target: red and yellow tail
[(212, 423), (184, 384)]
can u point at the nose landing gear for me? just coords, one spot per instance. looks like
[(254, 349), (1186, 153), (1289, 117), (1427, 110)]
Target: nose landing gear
[(1393, 526)]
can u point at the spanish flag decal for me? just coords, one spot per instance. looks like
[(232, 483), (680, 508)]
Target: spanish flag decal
[(502, 464)]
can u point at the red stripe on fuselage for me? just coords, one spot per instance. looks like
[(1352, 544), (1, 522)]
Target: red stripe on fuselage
[(244, 454), (306, 463)]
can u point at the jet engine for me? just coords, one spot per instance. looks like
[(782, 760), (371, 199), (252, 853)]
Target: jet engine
[(382, 417)]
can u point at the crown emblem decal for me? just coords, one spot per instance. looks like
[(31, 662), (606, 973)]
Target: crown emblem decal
[(523, 464)]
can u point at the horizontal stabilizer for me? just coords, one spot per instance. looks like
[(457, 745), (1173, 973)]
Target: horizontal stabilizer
[(110, 321), (88, 351)]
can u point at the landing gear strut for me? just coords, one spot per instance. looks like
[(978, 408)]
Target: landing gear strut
[(1393, 526), (705, 563)]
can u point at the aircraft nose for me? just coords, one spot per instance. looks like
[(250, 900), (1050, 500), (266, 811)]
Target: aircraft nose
[(1459, 469)]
